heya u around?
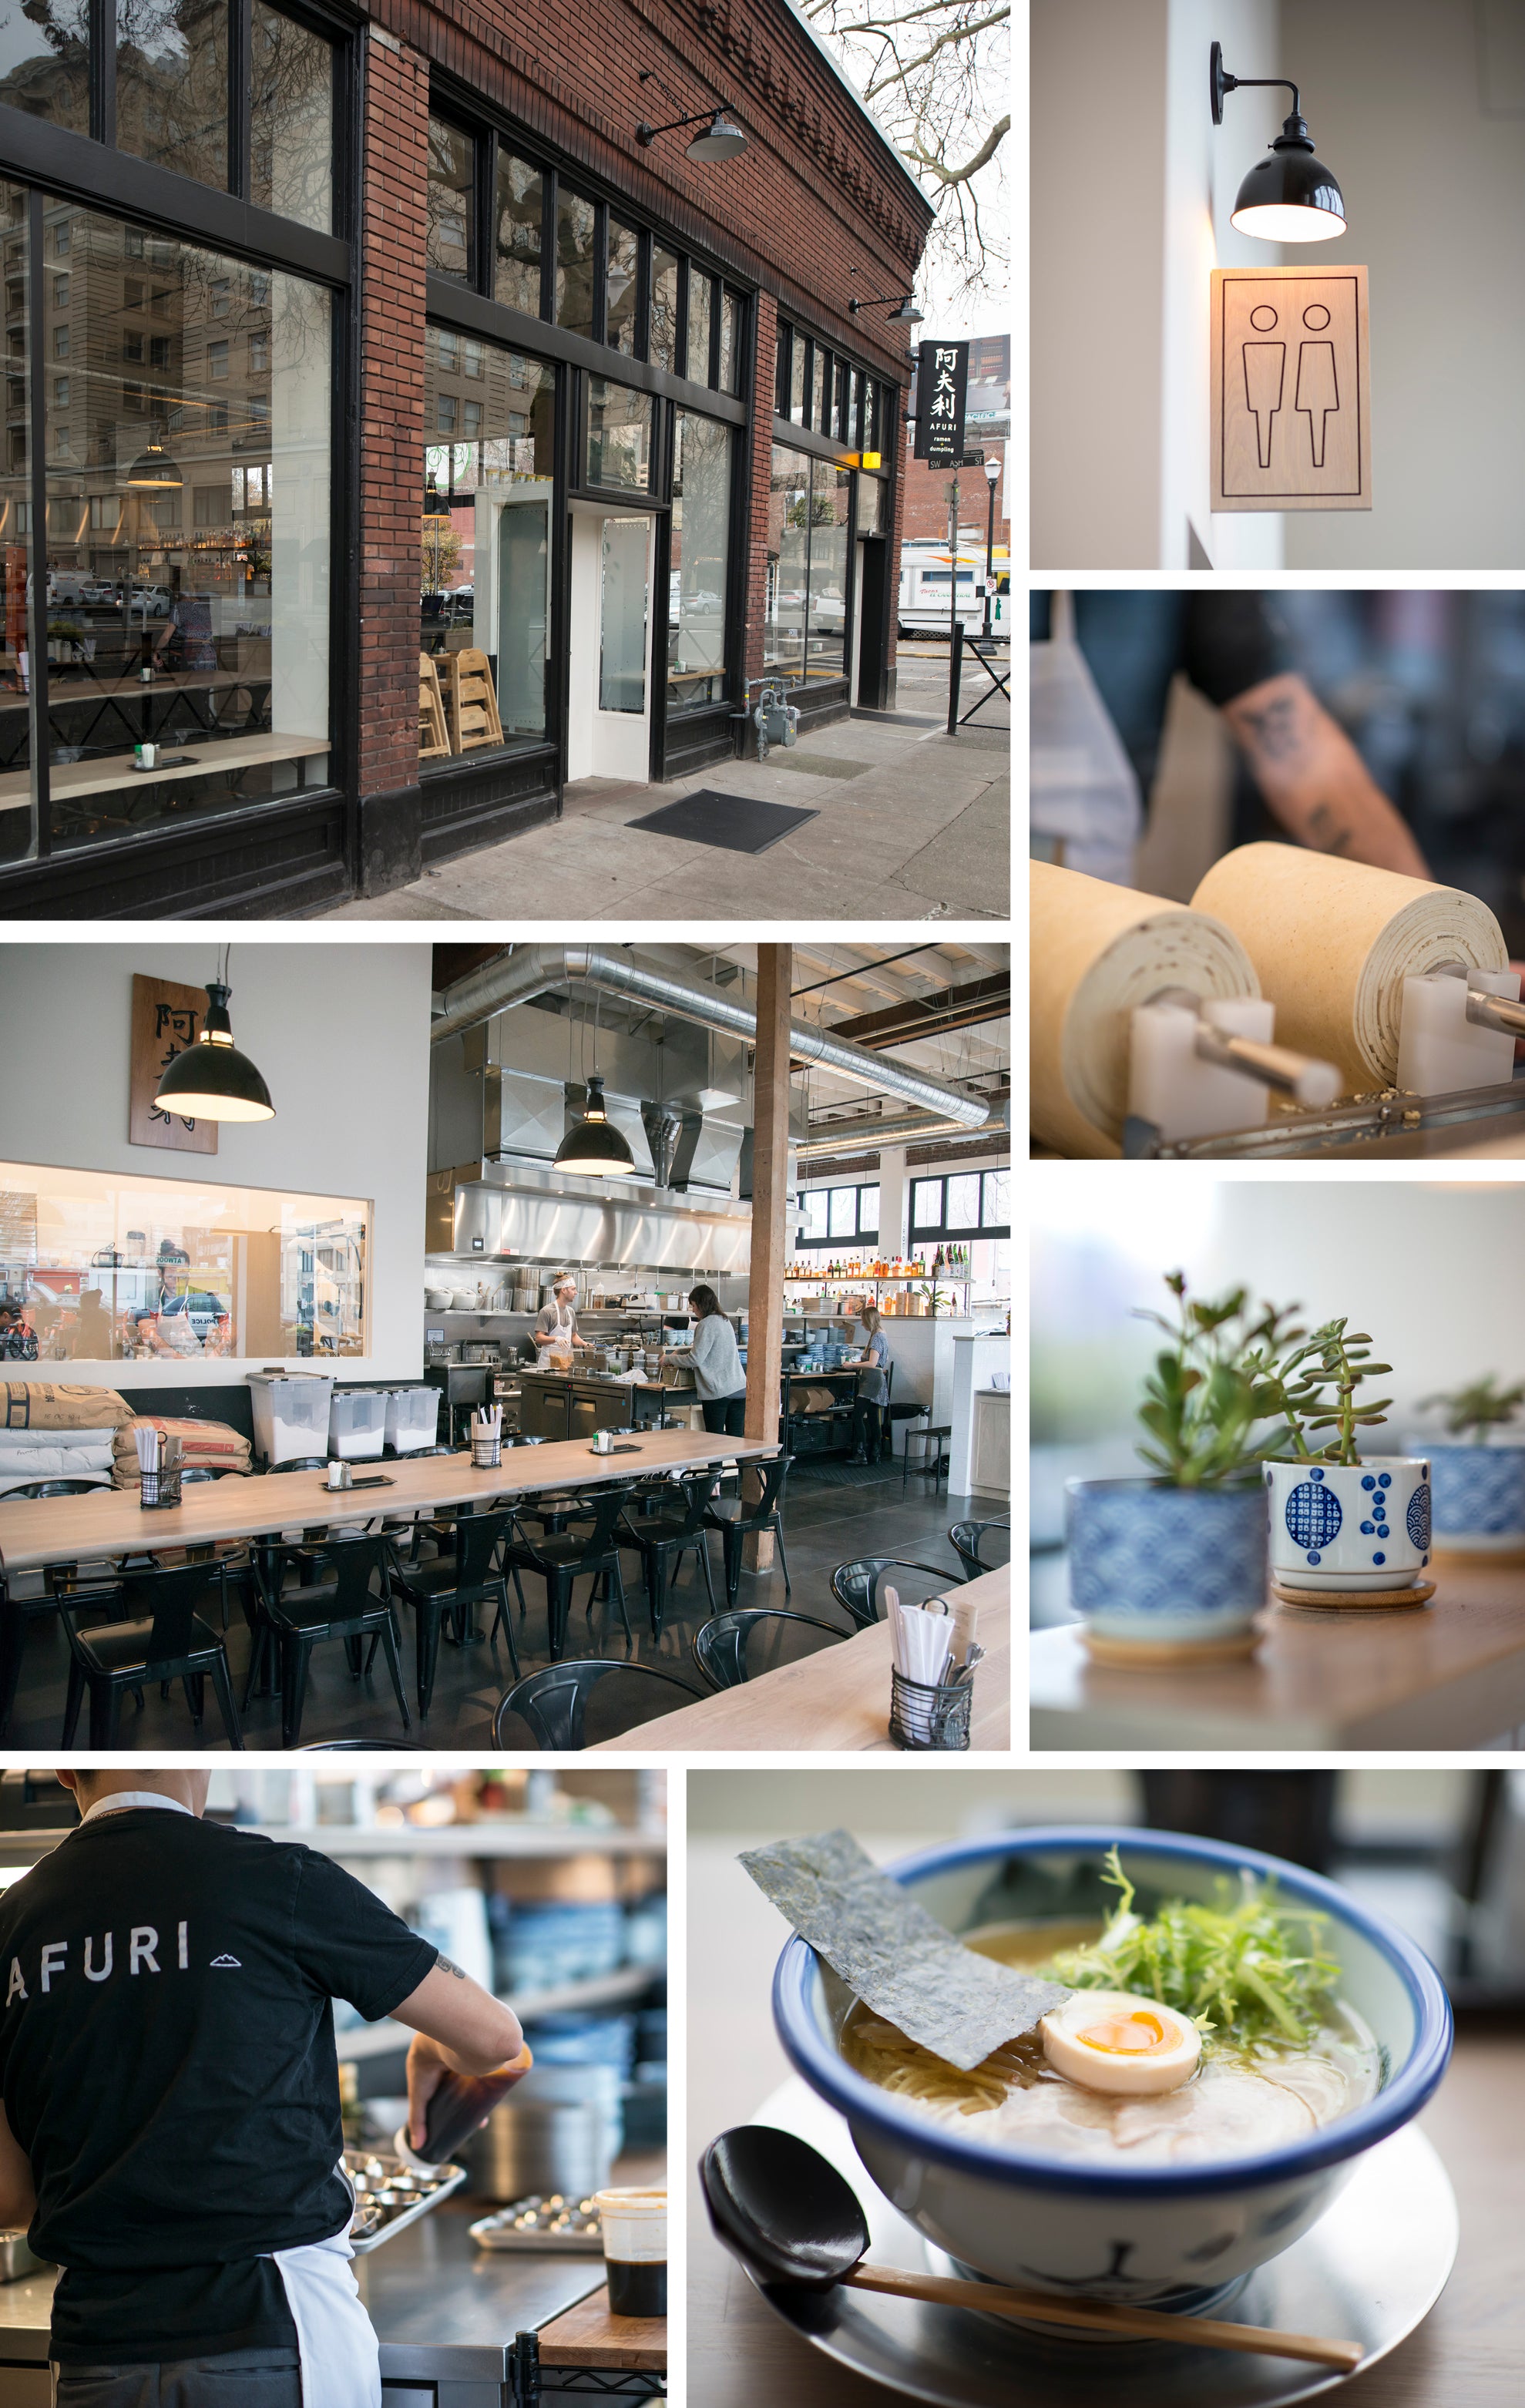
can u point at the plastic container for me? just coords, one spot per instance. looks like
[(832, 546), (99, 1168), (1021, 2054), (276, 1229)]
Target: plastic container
[(356, 1423), (635, 2228), (412, 1419), (291, 1414)]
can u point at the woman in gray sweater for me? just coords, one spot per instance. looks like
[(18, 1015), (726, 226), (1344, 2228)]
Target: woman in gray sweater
[(718, 1375)]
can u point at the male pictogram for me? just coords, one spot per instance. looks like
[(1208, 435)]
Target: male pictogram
[(1265, 374)]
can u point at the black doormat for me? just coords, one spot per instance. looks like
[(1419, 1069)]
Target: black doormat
[(734, 823)]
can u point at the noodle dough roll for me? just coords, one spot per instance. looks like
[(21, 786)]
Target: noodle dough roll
[(1332, 942), (1096, 952)]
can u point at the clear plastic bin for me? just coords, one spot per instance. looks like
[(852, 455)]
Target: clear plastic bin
[(291, 1414), (356, 1423), (412, 1419)]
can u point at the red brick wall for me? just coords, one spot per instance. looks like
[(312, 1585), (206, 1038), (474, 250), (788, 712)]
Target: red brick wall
[(926, 495), (396, 138), (766, 352)]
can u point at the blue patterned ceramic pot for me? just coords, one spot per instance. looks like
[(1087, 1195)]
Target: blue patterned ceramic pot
[(1360, 1526), (1149, 1562), (1480, 1499)]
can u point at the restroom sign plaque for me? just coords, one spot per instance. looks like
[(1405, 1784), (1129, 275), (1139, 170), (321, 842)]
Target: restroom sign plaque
[(1291, 390)]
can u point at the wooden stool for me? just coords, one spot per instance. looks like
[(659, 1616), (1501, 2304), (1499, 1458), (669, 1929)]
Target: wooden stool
[(473, 703), (433, 734)]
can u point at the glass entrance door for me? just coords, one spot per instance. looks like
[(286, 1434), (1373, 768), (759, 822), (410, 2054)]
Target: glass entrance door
[(624, 611)]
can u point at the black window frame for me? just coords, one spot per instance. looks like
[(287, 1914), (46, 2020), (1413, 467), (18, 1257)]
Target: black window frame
[(917, 1234), (859, 1236)]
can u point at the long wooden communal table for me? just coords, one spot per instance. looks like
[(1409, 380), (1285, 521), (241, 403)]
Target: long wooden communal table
[(838, 1697), (74, 1530), (1445, 1675)]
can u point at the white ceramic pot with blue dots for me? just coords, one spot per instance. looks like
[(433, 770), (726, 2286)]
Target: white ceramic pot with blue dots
[(1352, 1526)]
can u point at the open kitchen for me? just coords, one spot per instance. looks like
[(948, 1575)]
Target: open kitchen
[(625, 1331)]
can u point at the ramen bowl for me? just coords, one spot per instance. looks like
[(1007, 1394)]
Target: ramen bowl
[(1173, 2235)]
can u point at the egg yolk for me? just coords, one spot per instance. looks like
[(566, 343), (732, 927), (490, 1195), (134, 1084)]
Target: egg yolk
[(1135, 2035)]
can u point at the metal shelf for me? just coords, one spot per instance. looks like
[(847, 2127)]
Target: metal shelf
[(601, 1990)]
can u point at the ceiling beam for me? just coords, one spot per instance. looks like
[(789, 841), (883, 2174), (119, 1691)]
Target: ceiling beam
[(931, 1015)]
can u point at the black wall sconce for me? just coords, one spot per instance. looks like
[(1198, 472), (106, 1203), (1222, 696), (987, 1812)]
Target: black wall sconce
[(723, 140), (905, 312), (1288, 196)]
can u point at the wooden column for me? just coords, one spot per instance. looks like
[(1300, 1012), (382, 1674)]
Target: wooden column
[(769, 1225)]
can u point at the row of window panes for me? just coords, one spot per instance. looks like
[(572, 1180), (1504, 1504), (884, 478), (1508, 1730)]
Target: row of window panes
[(805, 602), (833, 1215), (815, 387), (961, 1201), (560, 255), (169, 69)]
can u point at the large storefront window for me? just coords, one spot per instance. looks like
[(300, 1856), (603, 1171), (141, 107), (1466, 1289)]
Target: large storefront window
[(485, 582), (701, 490), (825, 626), (788, 565), (619, 435)]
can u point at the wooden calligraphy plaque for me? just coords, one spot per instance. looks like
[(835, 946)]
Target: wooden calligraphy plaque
[(1291, 390), (166, 1018)]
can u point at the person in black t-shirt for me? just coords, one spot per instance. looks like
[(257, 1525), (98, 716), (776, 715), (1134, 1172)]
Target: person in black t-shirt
[(171, 2129)]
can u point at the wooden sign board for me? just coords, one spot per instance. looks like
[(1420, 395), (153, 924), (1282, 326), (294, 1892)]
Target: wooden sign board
[(166, 1018), (1291, 390)]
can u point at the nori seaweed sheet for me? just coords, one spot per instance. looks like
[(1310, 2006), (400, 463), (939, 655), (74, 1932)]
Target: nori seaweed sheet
[(901, 1962)]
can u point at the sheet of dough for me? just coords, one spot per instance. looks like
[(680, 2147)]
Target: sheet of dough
[(1332, 942), (1095, 952)]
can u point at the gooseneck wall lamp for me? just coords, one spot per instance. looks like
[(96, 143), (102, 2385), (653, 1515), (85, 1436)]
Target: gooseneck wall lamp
[(905, 312), (1289, 195), (721, 139)]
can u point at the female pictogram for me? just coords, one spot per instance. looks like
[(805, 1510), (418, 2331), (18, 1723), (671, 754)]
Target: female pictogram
[(1317, 387), (1265, 374)]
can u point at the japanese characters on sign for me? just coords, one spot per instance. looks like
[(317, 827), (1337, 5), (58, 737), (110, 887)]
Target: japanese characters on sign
[(166, 1020), (941, 384)]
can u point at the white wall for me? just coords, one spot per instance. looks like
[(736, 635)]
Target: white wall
[(1435, 184), (341, 1033)]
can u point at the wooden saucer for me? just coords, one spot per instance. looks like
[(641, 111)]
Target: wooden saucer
[(1343, 1601), (1144, 1655), (1478, 1559)]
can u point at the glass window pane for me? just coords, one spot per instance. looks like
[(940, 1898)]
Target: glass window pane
[(996, 1211), (172, 85), (291, 127), (798, 351), (854, 409), (815, 1210), (18, 818), (453, 159), (788, 562), (662, 340), (188, 530), (519, 211), (820, 406), (621, 288), (927, 1203), (731, 340), (843, 1221), (869, 506), (45, 62), (867, 1212), (622, 642), (702, 503), (964, 1200), (485, 584), (619, 435), (575, 229), (699, 292), (781, 373), (827, 620)]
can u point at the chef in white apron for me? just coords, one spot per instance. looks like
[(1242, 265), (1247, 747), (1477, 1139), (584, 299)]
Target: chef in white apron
[(171, 2128), (556, 1330)]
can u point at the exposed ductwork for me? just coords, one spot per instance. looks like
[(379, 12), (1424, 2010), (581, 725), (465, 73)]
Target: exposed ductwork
[(830, 1139), (531, 970)]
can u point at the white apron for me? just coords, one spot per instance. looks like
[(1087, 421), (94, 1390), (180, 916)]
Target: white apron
[(336, 2340)]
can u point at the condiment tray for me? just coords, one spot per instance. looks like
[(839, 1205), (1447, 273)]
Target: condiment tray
[(423, 2192), (554, 2226), (1370, 2271)]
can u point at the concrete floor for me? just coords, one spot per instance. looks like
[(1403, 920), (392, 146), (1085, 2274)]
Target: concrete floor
[(824, 1526), (913, 826)]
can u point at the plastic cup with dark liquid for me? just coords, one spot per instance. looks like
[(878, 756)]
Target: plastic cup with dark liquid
[(458, 2108), (635, 2229)]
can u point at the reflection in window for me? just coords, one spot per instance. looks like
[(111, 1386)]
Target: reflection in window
[(521, 207), (172, 85), (112, 1267), (731, 340), (188, 536), (452, 183), (797, 350), (485, 585), (826, 627), (662, 341), (870, 516), (291, 129), (44, 61), (701, 499), (619, 435), (575, 228), (699, 291), (789, 563), (18, 819), (781, 371), (621, 289), (820, 391), (622, 615)]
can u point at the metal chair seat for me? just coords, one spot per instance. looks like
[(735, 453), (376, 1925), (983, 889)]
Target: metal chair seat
[(720, 1649), (553, 1702), (856, 1585)]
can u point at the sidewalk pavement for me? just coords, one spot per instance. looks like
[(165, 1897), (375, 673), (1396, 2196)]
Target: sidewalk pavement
[(913, 826)]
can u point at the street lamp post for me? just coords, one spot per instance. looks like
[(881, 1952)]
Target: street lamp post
[(992, 472)]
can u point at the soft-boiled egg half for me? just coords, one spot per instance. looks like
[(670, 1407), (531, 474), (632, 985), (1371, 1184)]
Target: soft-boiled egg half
[(1109, 2039)]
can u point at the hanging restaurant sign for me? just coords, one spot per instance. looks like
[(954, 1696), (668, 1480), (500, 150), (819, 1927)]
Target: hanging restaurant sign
[(166, 1018), (941, 384)]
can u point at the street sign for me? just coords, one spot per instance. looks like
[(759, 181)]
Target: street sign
[(992, 585), (941, 385), (973, 460)]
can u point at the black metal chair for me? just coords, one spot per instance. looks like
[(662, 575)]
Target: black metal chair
[(965, 1540), (31, 1488), (562, 1559), (553, 1702), (720, 1649), (766, 1512), (159, 1637), (856, 1585), (338, 1602), (929, 1434), (664, 1537), (451, 1587)]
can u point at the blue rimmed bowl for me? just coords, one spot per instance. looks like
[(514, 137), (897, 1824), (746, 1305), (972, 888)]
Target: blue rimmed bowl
[(1350, 1526), (1174, 2235)]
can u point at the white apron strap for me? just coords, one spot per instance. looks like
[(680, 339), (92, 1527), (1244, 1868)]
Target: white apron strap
[(334, 2337)]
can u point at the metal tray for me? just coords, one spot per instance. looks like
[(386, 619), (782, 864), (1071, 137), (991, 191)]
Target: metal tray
[(433, 2188), (497, 2232)]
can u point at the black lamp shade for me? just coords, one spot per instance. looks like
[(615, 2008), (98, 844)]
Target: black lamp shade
[(907, 314), (155, 472), (1290, 196), (211, 1081), (595, 1148), (721, 139)]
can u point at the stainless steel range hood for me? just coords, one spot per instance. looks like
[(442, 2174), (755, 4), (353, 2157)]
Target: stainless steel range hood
[(517, 1213)]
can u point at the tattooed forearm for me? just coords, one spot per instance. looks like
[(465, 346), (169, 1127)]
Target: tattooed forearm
[(1274, 728), (444, 1965), (1325, 833)]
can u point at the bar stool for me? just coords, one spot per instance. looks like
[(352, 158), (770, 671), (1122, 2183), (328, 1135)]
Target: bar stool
[(936, 1432)]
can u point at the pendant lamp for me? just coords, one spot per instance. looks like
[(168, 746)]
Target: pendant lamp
[(1289, 195), (595, 1148), (154, 471), (211, 1081)]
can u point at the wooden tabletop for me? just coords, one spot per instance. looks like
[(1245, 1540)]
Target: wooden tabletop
[(1449, 1674), (588, 2336), (838, 1697), (67, 1530)]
